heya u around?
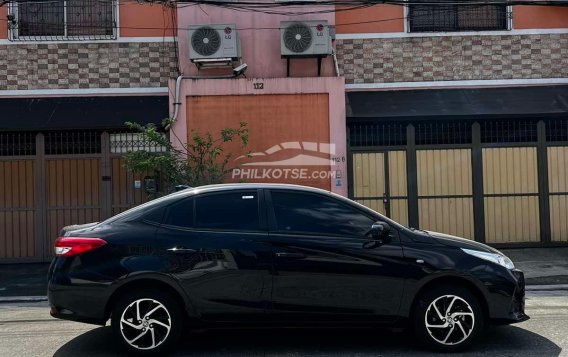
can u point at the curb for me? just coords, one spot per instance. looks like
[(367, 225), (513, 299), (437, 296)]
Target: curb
[(546, 287), (10, 299)]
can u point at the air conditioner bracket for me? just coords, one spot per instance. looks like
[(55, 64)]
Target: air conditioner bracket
[(288, 58)]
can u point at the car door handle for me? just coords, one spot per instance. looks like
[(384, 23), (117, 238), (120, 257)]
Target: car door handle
[(181, 250), (290, 255)]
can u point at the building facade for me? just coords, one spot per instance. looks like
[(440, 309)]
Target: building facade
[(457, 117), (71, 74), (448, 118), (295, 110)]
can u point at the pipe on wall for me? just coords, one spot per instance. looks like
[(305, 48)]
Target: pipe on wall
[(177, 102), (334, 54)]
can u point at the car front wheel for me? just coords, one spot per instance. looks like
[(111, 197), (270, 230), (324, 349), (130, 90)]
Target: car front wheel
[(448, 319), (147, 321)]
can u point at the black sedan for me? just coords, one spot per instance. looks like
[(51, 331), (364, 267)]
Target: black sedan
[(278, 255)]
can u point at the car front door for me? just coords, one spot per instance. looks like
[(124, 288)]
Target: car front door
[(327, 264), (216, 245)]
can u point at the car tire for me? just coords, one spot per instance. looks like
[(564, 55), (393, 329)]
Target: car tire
[(147, 322), (436, 330)]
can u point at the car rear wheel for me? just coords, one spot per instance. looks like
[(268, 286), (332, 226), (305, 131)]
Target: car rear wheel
[(448, 319), (147, 321)]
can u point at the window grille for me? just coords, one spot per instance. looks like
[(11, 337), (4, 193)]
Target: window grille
[(557, 130), (62, 20), (377, 134), (66, 143), (455, 18), (509, 131), (121, 143), (443, 133), (17, 144)]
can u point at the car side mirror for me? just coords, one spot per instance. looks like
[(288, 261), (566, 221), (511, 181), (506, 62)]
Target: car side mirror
[(379, 230)]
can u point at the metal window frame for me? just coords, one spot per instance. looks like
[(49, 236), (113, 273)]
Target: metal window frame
[(17, 144), (497, 137), (557, 131), (461, 129), (407, 26), (370, 128), (14, 36)]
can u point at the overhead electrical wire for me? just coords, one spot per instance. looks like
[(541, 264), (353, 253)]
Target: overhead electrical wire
[(304, 3), (267, 8), (294, 3), (284, 8), (415, 16)]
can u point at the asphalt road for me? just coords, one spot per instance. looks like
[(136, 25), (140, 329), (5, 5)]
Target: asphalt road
[(28, 330)]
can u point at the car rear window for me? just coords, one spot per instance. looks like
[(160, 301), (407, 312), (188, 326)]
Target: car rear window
[(180, 214)]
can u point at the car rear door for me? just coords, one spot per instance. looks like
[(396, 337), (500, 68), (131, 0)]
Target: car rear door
[(326, 266), (216, 245)]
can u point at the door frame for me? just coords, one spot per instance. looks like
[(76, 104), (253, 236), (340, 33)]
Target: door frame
[(386, 197)]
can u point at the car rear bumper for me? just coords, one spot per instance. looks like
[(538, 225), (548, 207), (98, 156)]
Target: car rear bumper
[(77, 306), (73, 299)]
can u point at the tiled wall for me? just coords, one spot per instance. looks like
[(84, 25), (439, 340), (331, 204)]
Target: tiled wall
[(86, 65), (448, 58)]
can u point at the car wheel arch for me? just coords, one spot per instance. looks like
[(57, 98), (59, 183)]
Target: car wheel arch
[(451, 280), (145, 283)]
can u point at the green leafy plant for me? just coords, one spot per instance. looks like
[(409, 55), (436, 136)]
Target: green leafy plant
[(202, 160)]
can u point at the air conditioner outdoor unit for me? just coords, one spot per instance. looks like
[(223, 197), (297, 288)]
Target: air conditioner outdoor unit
[(305, 39), (213, 42)]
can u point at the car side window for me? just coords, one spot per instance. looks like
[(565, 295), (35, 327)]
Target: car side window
[(180, 214), (317, 214), (228, 211), (154, 216)]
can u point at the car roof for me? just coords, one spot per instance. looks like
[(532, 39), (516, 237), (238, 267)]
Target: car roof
[(239, 186), (165, 200), (252, 186), (281, 186)]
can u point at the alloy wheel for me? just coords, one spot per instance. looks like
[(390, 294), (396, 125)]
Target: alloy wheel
[(449, 320), (145, 324)]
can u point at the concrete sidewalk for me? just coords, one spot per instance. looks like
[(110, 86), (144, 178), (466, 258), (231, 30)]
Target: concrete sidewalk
[(542, 266), (23, 279)]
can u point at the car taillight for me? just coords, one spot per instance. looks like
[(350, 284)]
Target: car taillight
[(70, 246)]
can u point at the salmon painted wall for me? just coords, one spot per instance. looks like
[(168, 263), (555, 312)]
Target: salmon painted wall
[(375, 19), (390, 18), (282, 128), (145, 20), (539, 17), (287, 118), (3, 24), (260, 40)]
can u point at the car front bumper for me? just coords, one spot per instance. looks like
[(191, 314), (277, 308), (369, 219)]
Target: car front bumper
[(518, 302), (511, 303)]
